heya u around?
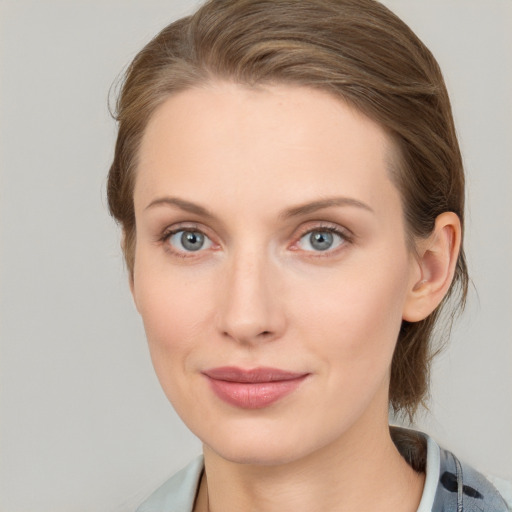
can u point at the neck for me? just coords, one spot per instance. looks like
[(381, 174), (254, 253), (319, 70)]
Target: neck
[(362, 470)]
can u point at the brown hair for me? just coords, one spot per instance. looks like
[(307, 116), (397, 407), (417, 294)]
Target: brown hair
[(356, 50)]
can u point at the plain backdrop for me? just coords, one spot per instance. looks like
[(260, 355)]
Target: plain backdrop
[(84, 424)]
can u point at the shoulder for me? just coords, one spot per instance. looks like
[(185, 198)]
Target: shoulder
[(450, 485), (178, 493), (462, 487)]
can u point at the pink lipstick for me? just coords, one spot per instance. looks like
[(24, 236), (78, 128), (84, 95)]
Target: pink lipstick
[(255, 388)]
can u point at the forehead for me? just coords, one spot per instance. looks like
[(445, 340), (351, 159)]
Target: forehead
[(281, 143)]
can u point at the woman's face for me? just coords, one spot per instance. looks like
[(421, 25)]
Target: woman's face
[(271, 267)]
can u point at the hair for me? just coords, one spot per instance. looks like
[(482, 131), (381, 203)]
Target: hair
[(357, 51)]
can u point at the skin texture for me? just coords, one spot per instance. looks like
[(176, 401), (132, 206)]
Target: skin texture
[(258, 293)]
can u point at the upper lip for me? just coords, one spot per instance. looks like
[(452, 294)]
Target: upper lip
[(253, 375)]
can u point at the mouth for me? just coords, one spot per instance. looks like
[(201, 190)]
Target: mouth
[(253, 388)]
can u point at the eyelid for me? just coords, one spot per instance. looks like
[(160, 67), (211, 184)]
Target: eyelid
[(344, 233), (169, 231)]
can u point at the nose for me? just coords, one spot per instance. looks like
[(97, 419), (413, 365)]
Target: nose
[(250, 310)]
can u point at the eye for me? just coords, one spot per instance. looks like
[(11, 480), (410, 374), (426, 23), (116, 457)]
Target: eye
[(188, 240), (321, 240)]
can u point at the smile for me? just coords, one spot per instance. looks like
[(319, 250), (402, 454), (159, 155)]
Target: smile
[(252, 389)]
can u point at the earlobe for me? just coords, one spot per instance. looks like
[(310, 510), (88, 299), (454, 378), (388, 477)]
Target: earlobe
[(437, 259)]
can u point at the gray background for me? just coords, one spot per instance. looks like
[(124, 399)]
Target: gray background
[(84, 424)]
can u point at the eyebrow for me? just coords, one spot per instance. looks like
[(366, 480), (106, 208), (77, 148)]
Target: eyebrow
[(321, 204), (295, 211), (182, 204)]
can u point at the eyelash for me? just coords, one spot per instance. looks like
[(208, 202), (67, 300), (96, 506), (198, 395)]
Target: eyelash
[(168, 233), (344, 234)]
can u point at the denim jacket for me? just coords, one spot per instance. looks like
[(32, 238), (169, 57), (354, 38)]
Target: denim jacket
[(462, 489), (450, 485)]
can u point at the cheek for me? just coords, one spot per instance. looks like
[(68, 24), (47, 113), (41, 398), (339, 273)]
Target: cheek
[(176, 308), (351, 326), (172, 325), (356, 313)]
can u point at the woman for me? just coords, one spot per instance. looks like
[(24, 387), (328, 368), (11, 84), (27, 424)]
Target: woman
[(291, 194)]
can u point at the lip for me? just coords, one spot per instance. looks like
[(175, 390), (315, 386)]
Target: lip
[(252, 388)]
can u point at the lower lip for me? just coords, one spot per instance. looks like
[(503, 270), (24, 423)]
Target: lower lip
[(254, 395)]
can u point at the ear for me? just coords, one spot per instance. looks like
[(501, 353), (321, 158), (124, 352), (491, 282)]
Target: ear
[(436, 261)]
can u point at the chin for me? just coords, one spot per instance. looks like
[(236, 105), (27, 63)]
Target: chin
[(257, 455), (265, 442)]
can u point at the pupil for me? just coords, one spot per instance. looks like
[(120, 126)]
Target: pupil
[(192, 241), (321, 240)]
